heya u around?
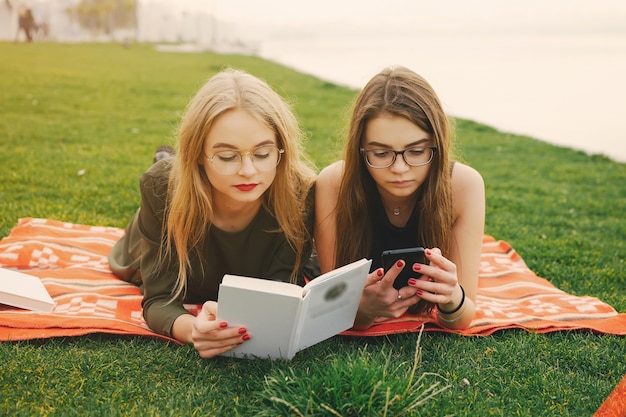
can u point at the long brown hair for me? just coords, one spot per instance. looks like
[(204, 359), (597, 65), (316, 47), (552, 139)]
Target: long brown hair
[(400, 92), (190, 205)]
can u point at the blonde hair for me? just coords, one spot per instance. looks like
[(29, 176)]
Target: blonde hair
[(400, 92), (190, 201)]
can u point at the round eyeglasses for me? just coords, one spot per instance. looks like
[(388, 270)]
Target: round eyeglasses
[(264, 158), (384, 158)]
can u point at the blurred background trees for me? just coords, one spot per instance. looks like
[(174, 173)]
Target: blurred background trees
[(104, 16)]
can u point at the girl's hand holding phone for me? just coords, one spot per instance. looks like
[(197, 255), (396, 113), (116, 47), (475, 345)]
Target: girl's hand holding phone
[(381, 299), (410, 256), (439, 283)]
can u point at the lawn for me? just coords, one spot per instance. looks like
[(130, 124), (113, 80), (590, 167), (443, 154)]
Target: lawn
[(80, 123)]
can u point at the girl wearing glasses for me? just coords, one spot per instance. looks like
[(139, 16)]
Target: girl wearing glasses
[(234, 199), (398, 187)]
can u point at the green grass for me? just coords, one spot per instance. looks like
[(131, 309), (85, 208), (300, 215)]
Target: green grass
[(104, 109)]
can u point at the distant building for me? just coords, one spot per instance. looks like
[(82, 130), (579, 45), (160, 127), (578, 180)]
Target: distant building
[(178, 21)]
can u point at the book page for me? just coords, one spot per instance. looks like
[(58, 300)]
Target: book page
[(268, 309), (331, 303)]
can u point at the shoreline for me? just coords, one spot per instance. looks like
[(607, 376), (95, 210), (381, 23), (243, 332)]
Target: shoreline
[(324, 70), (566, 101)]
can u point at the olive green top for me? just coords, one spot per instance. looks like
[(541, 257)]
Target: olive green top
[(255, 251)]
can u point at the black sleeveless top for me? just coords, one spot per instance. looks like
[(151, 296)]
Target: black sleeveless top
[(386, 236)]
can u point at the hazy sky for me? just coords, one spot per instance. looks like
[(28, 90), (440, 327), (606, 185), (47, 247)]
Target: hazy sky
[(540, 14)]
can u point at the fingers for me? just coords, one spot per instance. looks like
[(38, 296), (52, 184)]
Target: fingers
[(206, 319), (379, 277), (211, 353), (438, 266), (220, 341), (374, 277), (439, 280), (392, 273), (381, 299), (212, 337), (392, 296)]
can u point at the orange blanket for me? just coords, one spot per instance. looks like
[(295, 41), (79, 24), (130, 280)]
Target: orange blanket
[(615, 404), (71, 260)]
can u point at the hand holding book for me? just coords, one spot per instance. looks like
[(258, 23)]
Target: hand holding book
[(284, 318)]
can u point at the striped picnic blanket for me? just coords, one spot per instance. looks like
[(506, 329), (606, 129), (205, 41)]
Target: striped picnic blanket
[(71, 261)]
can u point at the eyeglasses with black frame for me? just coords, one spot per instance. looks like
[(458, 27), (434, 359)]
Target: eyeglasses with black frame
[(264, 158), (384, 158)]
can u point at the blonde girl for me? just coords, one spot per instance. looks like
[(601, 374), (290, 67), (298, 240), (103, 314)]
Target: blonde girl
[(236, 198)]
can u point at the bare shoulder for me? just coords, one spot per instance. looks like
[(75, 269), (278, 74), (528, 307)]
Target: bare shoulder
[(464, 177), (329, 178), (468, 192)]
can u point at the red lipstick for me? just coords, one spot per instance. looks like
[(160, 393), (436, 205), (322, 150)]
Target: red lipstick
[(246, 187)]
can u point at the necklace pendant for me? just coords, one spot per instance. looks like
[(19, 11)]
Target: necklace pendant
[(396, 212)]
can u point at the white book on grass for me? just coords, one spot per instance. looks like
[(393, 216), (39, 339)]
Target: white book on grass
[(284, 318), (24, 291)]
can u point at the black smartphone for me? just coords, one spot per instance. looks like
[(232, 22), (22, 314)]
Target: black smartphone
[(409, 256)]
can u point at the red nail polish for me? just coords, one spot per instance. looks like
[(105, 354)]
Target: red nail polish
[(411, 281), (428, 252), (242, 330), (223, 325), (417, 267), (400, 263), (420, 292), (379, 272), (246, 337)]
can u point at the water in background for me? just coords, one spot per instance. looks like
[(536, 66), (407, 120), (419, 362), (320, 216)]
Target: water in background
[(551, 70), (566, 90)]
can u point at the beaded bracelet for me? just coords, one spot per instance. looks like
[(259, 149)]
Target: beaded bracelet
[(458, 307)]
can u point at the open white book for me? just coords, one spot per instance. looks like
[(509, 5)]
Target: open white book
[(24, 291), (284, 318)]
